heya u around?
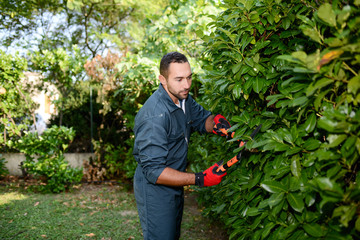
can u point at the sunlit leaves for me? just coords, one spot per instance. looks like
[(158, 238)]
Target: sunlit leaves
[(327, 14)]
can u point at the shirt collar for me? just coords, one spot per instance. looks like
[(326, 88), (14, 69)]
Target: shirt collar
[(167, 99)]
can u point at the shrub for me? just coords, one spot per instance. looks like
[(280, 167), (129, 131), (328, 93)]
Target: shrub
[(294, 68), (50, 165)]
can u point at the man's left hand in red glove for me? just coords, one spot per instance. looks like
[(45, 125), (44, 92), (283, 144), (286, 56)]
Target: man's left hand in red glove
[(210, 176)]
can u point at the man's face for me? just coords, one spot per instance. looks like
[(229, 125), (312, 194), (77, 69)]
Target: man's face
[(178, 82)]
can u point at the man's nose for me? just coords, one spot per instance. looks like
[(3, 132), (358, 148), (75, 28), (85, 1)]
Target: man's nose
[(187, 83)]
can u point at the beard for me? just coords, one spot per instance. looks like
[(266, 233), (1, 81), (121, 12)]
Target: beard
[(180, 95)]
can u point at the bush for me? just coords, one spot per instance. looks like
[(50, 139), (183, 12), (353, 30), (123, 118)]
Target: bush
[(294, 68), (50, 166)]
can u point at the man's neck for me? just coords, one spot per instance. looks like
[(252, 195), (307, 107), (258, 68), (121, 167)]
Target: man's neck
[(173, 98)]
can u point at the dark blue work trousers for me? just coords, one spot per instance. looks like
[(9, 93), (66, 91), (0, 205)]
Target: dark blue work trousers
[(160, 209)]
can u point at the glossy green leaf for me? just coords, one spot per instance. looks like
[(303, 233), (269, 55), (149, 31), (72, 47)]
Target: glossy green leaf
[(252, 212), (328, 124), (220, 208), (319, 99), (299, 101), (285, 134), (350, 142), (357, 224), (335, 139), (236, 67), (293, 150), (296, 201), (273, 186), (275, 199), (254, 17), (301, 55), (346, 213), (310, 123), (357, 145), (310, 199), (317, 85), (267, 229), (313, 230), (312, 144), (258, 84), (286, 231), (274, 98), (326, 154), (333, 171), (249, 4), (354, 85), (295, 166), (329, 186), (312, 33), (237, 90), (327, 14)]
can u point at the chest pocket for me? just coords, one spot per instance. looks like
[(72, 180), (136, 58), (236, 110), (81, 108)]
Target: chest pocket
[(178, 126)]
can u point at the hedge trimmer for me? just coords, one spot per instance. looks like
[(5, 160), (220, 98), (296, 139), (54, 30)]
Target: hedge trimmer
[(236, 158)]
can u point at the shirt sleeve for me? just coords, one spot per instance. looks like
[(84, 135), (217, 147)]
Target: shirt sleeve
[(198, 116), (152, 147)]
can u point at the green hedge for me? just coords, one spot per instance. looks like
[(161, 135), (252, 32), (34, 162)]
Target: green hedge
[(292, 66)]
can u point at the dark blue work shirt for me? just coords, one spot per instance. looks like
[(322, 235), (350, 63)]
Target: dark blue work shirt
[(162, 132)]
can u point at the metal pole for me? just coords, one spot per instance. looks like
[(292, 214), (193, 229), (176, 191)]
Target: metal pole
[(91, 120)]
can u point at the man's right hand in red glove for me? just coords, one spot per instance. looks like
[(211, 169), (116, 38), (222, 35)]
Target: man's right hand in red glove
[(210, 176), (220, 122)]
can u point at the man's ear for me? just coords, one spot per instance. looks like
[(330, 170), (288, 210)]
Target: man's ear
[(162, 80)]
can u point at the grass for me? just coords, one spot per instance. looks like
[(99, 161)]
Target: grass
[(90, 212)]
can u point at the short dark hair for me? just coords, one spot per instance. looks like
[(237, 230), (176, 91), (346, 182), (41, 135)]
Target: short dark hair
[(172, 57)]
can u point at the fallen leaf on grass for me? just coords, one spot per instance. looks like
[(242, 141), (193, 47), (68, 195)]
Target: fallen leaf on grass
[(37, 203), (11, 221), (77, 186), (90, 235), (92, 213), (44, 236)]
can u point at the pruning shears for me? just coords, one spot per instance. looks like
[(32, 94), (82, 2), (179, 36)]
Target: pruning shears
[(237, 157)]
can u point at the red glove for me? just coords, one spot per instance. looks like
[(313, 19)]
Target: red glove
[(210, 176), (220, 122)]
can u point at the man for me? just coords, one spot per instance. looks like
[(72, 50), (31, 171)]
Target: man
[(162, 131)]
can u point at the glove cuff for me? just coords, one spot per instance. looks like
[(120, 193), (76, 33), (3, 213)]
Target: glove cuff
[(199, 179)]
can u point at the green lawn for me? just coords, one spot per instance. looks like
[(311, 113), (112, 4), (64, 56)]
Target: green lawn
[(90, 212)]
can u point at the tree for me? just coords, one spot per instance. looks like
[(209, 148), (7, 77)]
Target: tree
[(64, 71), (16, 107), (93, 25), (20, 18)]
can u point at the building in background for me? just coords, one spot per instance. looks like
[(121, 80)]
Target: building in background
[(44, 94)]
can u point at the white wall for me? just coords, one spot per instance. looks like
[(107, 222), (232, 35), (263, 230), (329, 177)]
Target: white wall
[(14, 160)]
